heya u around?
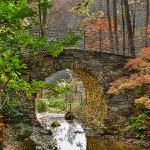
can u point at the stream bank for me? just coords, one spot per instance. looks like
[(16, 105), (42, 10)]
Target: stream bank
[(67, 135)]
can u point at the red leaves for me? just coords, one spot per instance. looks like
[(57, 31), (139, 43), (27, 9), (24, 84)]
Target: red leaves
[(142, 77), (138, 64), (96, 29), (131, 82), (94, 24), (145, 53)]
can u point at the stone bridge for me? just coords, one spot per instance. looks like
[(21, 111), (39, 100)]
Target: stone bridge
[(95, 69)]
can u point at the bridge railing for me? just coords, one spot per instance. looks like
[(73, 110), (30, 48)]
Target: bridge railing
[(99, 40)]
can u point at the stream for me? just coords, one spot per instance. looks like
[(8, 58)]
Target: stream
[(71, 136)]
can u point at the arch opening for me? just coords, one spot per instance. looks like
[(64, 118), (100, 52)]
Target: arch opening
[(69, 93), (86, 98)]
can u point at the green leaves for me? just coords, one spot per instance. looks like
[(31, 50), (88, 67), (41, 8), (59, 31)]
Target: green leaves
[(138, 124), (12, 15), (14, 37), (10, 67), (3, 78), (56, 47), (16, 18), (45, 4)]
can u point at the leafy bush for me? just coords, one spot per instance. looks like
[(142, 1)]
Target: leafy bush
[(41, 106), (11, 106), (18, 126), (13, 113), (56, 103), (14, 39), (22, 131), (138, 124), (22, 136)]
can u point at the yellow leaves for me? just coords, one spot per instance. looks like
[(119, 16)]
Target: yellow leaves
[(119, 85), (82, 7), (132, 2), (143, 102)]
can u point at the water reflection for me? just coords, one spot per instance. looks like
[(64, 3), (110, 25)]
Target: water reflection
[(70, 136), (95, 143)]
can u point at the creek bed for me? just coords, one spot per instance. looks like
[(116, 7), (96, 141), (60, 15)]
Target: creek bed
[(71, 136)]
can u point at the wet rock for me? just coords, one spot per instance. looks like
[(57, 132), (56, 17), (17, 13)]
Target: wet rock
[(38, 147), (42, 139), (29, 144), (36, 124), (44, 132), (131, 133), (50, 132), (78, 131), (55, 124), (114, 109), (69, 116)]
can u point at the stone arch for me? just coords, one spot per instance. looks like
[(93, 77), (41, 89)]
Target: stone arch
[(95, 109), (95, 101), (94, 69)]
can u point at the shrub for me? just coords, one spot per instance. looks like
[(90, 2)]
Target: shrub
[(21, 130), (22, 136), (11, 106), (41, 105), (18, 126), (56, 103), (138, 124)]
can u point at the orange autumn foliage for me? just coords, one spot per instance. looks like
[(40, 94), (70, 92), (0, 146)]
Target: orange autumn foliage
[(95, 26), (2, 127), (96, 29), (139, 74)]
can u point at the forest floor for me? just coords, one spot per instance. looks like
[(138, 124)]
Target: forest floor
[(9, 142)]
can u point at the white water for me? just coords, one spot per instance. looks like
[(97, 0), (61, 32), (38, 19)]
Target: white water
[(71, 136)]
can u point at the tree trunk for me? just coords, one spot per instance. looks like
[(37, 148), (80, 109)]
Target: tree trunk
[(123, 28), (129, 28), (147, 7), (40, 19), (45, 11), (134, 17), (116, 44), (110, 26)]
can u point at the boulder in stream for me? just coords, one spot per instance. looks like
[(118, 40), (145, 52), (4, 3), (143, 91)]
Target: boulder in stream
[(78, 131), (55, 124), (40, 140), (69, 115), (29, 144)]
